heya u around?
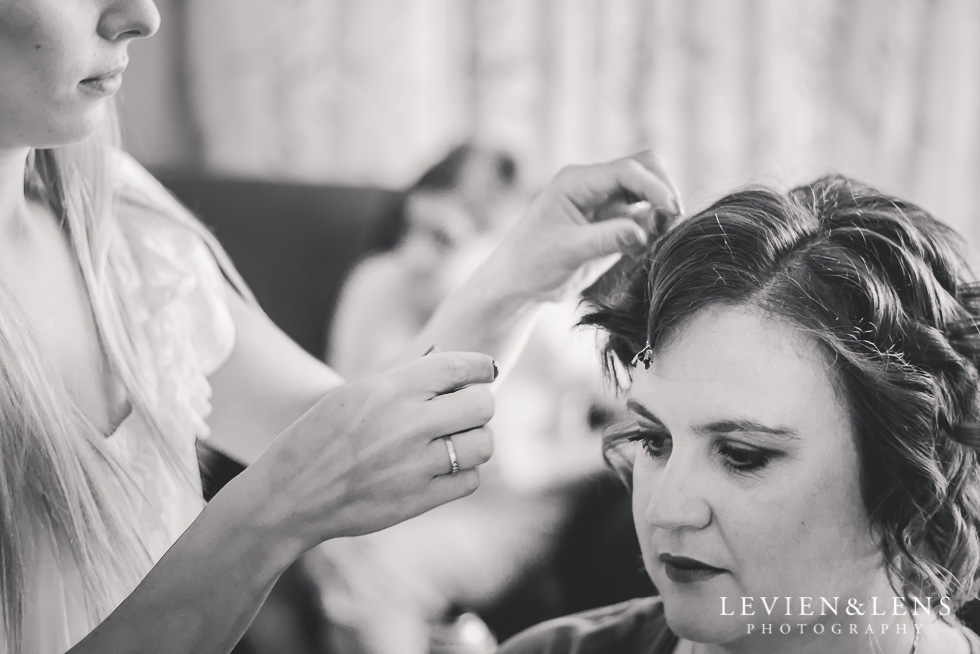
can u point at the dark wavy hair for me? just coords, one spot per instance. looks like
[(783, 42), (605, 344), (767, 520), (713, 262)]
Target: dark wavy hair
[(891, 295)]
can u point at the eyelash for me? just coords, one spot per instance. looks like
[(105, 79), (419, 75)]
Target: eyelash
[(658, 445)]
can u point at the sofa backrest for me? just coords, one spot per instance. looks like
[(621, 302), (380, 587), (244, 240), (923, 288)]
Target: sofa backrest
[(293, 243)]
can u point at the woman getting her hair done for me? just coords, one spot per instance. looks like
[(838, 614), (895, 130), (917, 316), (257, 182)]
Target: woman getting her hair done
[(802, 373), (121, 342)]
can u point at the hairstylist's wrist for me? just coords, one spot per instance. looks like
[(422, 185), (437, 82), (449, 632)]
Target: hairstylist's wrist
[(504, 282), (250, 513)]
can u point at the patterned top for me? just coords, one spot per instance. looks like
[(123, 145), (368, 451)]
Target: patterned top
[(178, 293), (632, 627)]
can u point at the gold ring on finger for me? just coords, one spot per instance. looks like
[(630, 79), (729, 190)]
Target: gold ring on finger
[(451, 450)]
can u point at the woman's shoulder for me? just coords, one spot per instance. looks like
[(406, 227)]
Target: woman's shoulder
[(630, 627), (172, 276), (150, 217), (135, 185), (972, 639), (946, 636), (379, 272)]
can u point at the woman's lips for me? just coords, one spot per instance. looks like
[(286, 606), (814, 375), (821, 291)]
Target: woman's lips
[(106, 83), (682, 570), (102, 85)]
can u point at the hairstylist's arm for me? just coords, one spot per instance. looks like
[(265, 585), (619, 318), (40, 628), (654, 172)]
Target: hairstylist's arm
[(268, 382), (584, 216), (366, 456)]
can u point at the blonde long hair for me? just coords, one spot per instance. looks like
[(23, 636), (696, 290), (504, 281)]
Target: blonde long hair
[(57, 486)]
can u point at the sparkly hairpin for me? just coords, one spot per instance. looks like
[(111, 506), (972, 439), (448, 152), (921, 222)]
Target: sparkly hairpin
[(643, 355)]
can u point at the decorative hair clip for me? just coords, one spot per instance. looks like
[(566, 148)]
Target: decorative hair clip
[(643, 355)]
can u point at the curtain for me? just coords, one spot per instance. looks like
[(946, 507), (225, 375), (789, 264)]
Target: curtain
[(729, 91)]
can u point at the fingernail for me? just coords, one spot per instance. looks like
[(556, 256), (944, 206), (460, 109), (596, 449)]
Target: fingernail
[(496, 371), (430, 350), (634, 239), (677, 206)]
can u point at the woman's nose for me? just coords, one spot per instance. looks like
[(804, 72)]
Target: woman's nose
[(677, 499), (129, 19)]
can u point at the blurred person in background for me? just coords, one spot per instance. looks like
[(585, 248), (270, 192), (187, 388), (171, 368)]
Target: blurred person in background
[(448, 223), (125, 334), (389, 590)]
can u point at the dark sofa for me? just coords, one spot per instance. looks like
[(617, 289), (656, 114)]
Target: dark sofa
[(293, 243)]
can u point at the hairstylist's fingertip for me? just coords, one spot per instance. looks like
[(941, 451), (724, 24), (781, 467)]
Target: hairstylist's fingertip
[(634, 239), (639, 208), (663, 221)]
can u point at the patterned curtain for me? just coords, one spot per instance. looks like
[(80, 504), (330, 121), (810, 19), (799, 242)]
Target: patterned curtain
[(730, 91)]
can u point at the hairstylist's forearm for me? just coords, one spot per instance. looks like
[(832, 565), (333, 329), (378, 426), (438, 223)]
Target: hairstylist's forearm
[(205, 591), (485, 314)]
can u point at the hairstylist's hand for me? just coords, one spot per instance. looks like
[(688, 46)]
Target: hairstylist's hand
[(585, 214), (371, 453)]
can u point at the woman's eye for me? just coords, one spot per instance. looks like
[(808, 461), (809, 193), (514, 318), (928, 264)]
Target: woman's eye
[(745, 459), (656, 444)]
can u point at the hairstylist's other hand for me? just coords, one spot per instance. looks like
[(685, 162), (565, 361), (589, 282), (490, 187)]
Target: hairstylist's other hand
[(584, 215), (371, 453)]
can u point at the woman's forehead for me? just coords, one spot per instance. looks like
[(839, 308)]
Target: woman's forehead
[(738, 359)]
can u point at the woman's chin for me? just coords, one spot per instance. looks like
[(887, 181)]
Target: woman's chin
[(703, 624), (71, 130)]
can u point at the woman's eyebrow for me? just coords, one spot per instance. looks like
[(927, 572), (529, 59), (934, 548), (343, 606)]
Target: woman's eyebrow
[(728, 426), (636, 407), (745, 425)]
